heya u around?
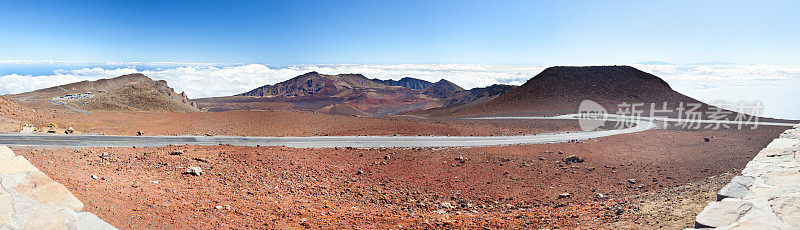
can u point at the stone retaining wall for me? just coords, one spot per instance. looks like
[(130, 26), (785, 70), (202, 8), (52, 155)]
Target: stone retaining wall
[(29, 199), (766, 195)]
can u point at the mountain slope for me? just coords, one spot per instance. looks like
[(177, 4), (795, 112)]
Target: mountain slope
[(407, 82), (561, 89), (477, 94), (313, 83), (343, 109), (464, 99), (442, 89), (132, 92), (135, 97), (347, 94), (13, 116)]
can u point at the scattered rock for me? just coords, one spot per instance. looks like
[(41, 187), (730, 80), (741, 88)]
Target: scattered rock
[(573, 159), (737, 188), (200, 159), (446, 205), (139, 133), (95, 177), (564, 195), (359, 172), (706, 139), (194, 170), (722, 213), (175, 153), (461, 159), (632, 181)]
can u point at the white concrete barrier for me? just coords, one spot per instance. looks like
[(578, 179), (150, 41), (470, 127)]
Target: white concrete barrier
[(766, 195), (29, 199)]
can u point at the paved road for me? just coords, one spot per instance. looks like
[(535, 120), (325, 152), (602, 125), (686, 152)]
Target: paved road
[(52, 140), (58, 103), (69, 107), (613, 117)]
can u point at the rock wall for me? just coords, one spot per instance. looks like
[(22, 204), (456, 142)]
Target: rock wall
[(29, 199), (766, 195)]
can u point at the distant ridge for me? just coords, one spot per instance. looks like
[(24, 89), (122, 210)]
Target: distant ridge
[(477, 94), (442, 89), (411, 83)]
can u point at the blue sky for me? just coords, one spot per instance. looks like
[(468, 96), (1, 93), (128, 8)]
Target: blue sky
[(403, 32)]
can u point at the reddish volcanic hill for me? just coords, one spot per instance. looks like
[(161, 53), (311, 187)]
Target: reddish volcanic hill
[(561, 90), (132, 92), (477, 95), (407, 82), (442, 89), (462, 100), (313, 83), (348, 94)]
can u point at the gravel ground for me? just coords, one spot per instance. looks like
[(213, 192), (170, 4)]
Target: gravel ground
[(672, 208), (494, 187), (288, 123)]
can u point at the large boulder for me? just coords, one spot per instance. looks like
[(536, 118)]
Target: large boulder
[(737, 188), (722, 213)]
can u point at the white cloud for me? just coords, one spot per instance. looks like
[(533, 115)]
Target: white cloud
[(773, 85), (15, 83)]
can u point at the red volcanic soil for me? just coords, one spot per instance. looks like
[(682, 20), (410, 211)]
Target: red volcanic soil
[(289, 123), (491, 187), (13, 116), (343, 109)]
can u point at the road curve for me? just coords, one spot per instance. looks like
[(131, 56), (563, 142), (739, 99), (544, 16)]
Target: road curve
[(51, 140)]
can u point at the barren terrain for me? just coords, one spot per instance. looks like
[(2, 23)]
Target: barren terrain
[(496, 187), (290, 123)]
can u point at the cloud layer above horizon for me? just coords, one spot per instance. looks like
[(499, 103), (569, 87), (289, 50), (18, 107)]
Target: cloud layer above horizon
[(704, 82)]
